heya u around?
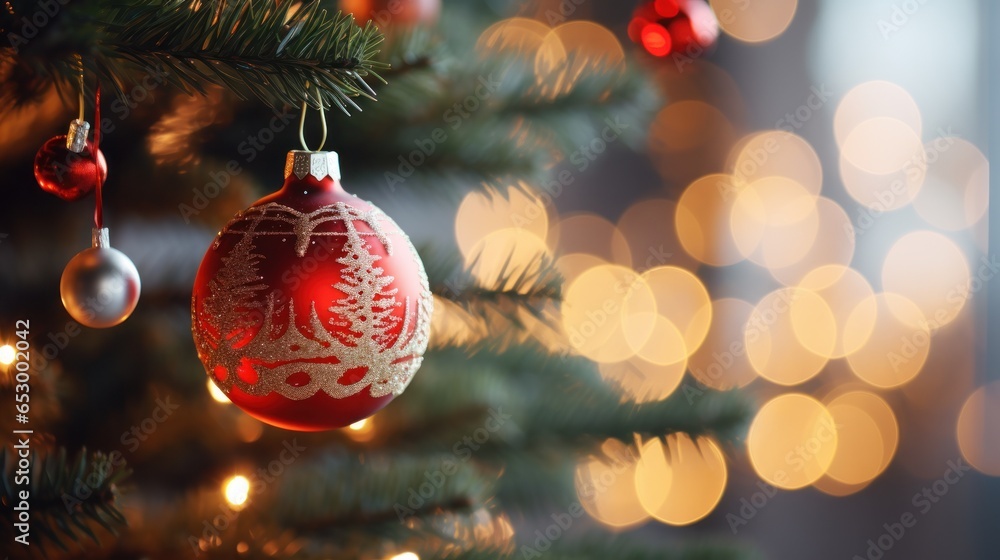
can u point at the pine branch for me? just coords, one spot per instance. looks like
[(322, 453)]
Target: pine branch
[(262, 48), (68, 498)]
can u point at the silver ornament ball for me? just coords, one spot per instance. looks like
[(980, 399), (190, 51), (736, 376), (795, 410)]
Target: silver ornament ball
[(100, 285)]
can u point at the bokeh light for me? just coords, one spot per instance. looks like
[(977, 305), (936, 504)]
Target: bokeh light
[(596, 306), (703, 220), (774, 222), (689, 139), (7, 354), (792, 441), (216, 393), (585, 46), (877, 98), (606, 487), (683, 482), (655, 338), (834, 244), (930, 270), (508, 253), (862, 443), (482, 213), (979, 429), (642, 381), (683, 300), (956, 191), (777, 153), (514, 36), (236, 491), (882, 145), (721, 362), (756, 21), (843, 290), (591, 234), (773, 345), (897, 346)]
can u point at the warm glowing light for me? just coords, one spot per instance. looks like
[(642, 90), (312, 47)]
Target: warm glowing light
[(572, 265), (359, 425), (776, 153), (405, 556), (606, 487), (481, 214), (875, 99), (517, 36), (896, 348), (589, 233), (703, 220), (774, 222), (721, 362), (756, 21), (596, 307), (508, 253), (834, 244), (932, 272), (217, 393), (883, 192), (572, 49), (642, 381), (683, 483), (7, 355), (654, 338), (792, 441), (689, 139), (683, 300), (236, 490), (956, 191), (979, 429), (648, 226), (867, 437), (656, 39), (843, 290), (773, 344), (883, 145)]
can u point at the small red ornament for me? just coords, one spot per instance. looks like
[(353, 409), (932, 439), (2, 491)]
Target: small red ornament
[(311, 310), (386, 13), (66, 168), (679, 27)]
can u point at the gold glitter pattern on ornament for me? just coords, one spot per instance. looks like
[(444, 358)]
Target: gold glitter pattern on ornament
[(240, 334)]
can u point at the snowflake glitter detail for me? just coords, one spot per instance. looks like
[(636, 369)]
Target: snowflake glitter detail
[(252, 340)]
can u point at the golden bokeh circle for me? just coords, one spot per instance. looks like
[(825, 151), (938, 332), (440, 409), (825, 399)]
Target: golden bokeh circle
[(697, 474), (774, 347), (703, 220), (877, 98), (930, 270), (792, 441), (896, 348), (756, 21), (843, 289), (979, 429)]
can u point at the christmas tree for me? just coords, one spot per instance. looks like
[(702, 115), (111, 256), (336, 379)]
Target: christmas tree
[(131, 456)]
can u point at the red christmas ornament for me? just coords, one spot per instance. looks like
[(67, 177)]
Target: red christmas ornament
[(66, 168), (385, 13), (679, 27), (311, 310)]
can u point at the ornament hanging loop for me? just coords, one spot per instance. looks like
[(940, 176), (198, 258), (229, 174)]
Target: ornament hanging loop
[(302, 122)]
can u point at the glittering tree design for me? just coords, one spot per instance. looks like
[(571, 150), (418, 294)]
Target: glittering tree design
[(388, 352)]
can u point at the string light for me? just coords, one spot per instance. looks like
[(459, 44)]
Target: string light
[(236, 490), (7, 354)]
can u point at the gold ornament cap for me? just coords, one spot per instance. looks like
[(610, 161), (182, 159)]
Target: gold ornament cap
[(318, 164), (76, 138)]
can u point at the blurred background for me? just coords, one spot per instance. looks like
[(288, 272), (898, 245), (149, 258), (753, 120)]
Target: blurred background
[(782, 200)]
